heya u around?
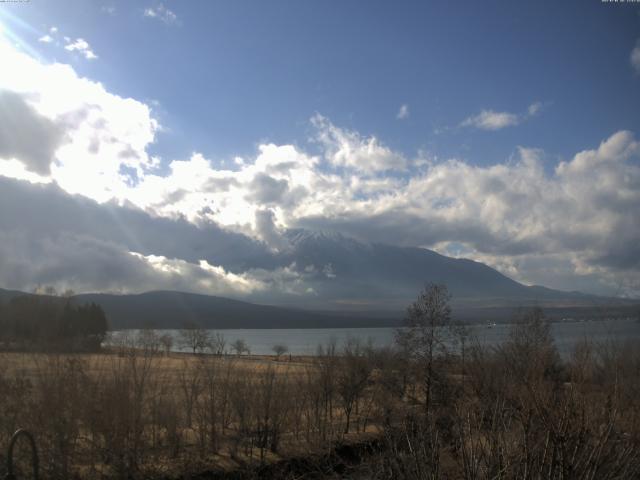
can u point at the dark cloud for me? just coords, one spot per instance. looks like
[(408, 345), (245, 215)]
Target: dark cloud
[(220, 184), (45, 211), (268, 231), (26, 135), (51, 237), (129, 152), (88, 264), (70, 260), (171, 198), (407, 230), (266, 190), (622, 251)]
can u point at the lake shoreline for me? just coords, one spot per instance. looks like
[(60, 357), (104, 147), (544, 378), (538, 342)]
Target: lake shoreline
[(305, 341)]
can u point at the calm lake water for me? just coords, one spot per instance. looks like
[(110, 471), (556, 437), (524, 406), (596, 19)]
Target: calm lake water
[(306, 341)]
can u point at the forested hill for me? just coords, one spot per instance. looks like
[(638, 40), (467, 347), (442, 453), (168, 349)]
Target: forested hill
[(28, 320), (167, 309)]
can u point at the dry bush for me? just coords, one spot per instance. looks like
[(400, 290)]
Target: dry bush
[(515, 411), (353, 377)]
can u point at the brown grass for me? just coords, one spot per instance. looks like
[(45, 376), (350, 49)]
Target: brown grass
[(516, 411), (115, 413)]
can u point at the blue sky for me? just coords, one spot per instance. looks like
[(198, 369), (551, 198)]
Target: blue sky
[(502, 131), (229, 74)]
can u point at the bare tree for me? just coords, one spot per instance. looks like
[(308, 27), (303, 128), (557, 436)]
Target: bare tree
[(68, 293), (190, 384), (148, 340), (240, 346), (51, 291), (352, 377), (529, 350), (423, 335), (280, 349), (166, 341), (195, 338), (269, 409), (218, 344), (327, 366)]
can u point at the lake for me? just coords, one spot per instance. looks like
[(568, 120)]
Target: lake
[(305, 341)]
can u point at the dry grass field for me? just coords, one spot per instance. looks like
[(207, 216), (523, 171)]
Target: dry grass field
[(162, 415), (513, 411), (29, 364)]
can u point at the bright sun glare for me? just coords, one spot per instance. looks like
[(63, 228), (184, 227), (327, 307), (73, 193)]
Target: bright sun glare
[(10, 26)]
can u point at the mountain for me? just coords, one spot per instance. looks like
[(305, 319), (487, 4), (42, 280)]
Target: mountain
[(347, 274), (170, 309), (350, 283)]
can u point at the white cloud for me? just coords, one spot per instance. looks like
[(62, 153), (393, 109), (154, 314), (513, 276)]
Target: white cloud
[(505, 214), (515, 215), (492, 120), (403, 112), (534, 108), (634, 58), (162, 13), (201, 277), (102, 132), (344, 148), (81, 46)]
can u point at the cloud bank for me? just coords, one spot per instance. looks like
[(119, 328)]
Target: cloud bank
[(194, 225)]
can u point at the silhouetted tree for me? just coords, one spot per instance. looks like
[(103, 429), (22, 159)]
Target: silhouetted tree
[(166, 341), (218, 343), (240, 347), (423, 335), (52, 321), (280, 349), (194, 337)]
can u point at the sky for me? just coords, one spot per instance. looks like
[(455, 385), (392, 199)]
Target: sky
[(504, 132)]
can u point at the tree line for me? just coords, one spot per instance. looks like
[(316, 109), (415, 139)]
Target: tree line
[(51, 322)]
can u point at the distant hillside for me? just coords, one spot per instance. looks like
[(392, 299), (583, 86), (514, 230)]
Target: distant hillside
[(168, 309), (163, 309), (6, 295)]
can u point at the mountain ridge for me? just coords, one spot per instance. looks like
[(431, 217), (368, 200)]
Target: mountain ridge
[(350, 271), (353, 283), (167, 309)]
